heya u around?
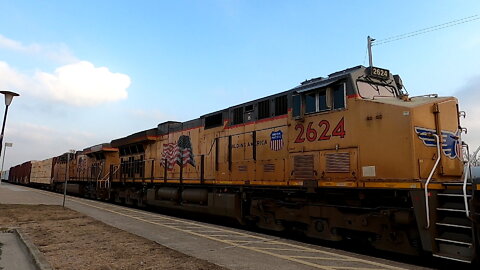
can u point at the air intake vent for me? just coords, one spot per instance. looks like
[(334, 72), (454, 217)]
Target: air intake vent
[(268, 167), (303, 166), (338, 162), (242, 168)]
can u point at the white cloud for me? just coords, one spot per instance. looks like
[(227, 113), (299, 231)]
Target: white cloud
[(17, 46), (78, 84), (38, 142), (83, 84), (11, 78), (56, 52)]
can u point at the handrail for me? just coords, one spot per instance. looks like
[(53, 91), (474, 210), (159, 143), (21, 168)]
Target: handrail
[(100, 171), (106, 175), (465, 200), (427, 95), (466, 174), (427, 207), (105, 179)]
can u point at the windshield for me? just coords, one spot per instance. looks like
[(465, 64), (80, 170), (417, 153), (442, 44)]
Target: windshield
[(371, 90)]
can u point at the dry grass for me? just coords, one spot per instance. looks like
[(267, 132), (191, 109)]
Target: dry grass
[(70, 240)]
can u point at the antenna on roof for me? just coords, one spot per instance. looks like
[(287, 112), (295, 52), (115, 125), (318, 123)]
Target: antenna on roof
[(369, 45)]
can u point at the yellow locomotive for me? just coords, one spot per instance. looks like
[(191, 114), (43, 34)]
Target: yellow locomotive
[(347, 156)]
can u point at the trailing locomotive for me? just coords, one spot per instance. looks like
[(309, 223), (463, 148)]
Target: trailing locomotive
[(346, 156)]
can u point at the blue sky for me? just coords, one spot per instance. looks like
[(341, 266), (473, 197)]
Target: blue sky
[(92, 71)]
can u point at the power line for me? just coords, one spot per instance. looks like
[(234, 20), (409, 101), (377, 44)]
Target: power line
[(426, 30)]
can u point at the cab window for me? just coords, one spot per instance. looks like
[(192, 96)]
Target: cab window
[(370, 90)]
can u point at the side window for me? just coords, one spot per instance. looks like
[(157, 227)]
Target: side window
[(339, 96), (325, 99), (264, 109), (311, 103), (322, 101), (297, 105)]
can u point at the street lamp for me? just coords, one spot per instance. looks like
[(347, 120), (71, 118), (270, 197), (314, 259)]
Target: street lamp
[(7, 144), (8, 100)]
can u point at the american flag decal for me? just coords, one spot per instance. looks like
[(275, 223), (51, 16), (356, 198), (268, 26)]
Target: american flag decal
[(185, 150), (276, 140), (180, 153)]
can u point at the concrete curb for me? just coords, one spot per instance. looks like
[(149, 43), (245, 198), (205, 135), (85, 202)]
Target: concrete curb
[(40, 262)]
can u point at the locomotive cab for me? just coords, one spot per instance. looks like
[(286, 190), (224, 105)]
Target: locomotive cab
[(357, 128), (370, 113)]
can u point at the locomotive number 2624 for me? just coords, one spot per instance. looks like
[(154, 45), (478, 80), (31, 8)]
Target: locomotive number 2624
[(311, 134)]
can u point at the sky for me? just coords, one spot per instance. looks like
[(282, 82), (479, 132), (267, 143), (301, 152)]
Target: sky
[(91, 71)]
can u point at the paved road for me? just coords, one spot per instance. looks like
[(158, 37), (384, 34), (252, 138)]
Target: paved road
[(13, 254), (232, 248)]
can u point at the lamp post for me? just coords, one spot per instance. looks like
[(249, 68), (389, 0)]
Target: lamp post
[(8, 100), (67, 176), (3, 158)]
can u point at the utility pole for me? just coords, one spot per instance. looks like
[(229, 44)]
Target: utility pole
[(67, 175)]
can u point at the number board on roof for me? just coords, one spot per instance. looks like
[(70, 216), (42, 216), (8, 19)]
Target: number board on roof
[(379, 73)]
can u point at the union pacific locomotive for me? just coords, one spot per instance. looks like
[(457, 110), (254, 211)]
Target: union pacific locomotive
[(350, 155)]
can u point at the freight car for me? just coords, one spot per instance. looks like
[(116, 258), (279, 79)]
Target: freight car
[(21, 173), (42, 173), (348, 156)]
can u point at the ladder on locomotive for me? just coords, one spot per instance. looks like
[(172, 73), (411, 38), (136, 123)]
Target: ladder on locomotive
[(103, 184), (454, 231)]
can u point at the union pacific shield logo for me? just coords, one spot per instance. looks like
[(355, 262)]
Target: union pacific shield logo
[(276, 140), (451, 146)]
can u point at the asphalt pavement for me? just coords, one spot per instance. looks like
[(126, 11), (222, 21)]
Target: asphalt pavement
[(232, 248), (13, 254)]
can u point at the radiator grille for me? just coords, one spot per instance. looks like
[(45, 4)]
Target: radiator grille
[(268, 167), (242, 168), (338, 162), (303, 166)]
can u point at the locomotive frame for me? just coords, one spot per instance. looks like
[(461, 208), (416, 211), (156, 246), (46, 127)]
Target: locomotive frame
[(346, 156)]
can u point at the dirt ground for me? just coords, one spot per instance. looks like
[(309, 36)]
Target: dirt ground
[(70, 240)]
